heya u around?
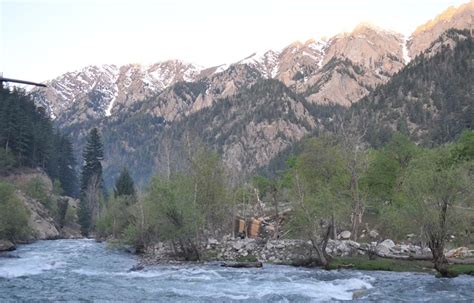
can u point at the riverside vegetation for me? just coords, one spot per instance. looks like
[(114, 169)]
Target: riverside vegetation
[(402, 187)]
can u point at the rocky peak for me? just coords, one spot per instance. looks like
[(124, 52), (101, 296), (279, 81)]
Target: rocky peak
[(457, 18), (370, 47), (95, 91)]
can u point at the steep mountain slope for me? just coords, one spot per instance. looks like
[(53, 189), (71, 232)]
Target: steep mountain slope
[(248, 128), (458, 18), (97, 91), (432, 99), (354, 63), (340, 70), (308, 68)]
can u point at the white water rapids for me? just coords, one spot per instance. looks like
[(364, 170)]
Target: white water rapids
[(77, 270)]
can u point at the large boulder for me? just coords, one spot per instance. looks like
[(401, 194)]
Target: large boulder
[(385, 247), (6, 245)]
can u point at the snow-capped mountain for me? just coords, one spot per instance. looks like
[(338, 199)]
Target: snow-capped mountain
[(100, 89)]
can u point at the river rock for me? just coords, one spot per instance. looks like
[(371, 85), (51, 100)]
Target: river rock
[(137, 267), (460, 252), (385, 247), (373, 234), (213, 242), (6, 245), (243, 264), (357, 294), (345, 235), (388, 243), (238, 245)]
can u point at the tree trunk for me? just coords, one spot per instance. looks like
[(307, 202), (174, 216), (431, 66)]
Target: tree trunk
[(320, 248), (439, 260), (357, 209), (277, 214), (333, 230), (436, 242)]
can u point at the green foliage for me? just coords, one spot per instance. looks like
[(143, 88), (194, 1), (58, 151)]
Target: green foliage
[(430, 186), (464, 148), (62, 209), (210, 189), (124, 186), (320, 188), (118, 215), (13, 215), (246, 259), (363, 263), (384, 176), (71, 214), (431, 93), (171, 210), (91, 182), (57, 188), (63, 166), (92, 155), (27, 138), (36, 189), (183, 209), (7, 161)]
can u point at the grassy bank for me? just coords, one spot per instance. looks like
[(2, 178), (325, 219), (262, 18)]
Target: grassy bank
[(363, 263)]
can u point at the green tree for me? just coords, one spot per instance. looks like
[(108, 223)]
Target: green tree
[(435, 195), (170, 214), (385, 172), (124, 186), (66, 166), (91, 181), (321, 196), (13, 215)]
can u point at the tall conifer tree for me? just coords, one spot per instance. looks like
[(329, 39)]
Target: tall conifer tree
[(91, 181)]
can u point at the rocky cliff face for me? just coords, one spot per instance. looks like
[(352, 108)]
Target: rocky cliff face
[(458, 18), (41, 219)]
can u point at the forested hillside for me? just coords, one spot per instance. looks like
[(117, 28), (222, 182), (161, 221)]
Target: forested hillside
[(28, 139), (432, 99)]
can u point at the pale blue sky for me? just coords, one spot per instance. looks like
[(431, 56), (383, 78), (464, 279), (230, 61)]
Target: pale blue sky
[(41, 39)]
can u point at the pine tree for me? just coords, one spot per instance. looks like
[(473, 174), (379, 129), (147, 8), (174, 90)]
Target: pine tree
[(66, 167), (124, 186), (91, 181)]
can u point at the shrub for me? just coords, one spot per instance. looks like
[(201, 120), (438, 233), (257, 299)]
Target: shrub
[(36, 189), (13, 215), (7, 161)]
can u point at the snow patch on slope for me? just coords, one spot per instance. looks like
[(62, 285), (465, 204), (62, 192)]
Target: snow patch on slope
[(406, 57)]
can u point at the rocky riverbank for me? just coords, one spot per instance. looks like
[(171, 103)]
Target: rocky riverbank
[(289, 251), (34, 190)]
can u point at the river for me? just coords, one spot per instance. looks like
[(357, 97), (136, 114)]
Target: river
[(77, 270)]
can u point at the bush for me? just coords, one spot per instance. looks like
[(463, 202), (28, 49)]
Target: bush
[(13, 215), (71, 215), (7, 161), (36, 189)]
